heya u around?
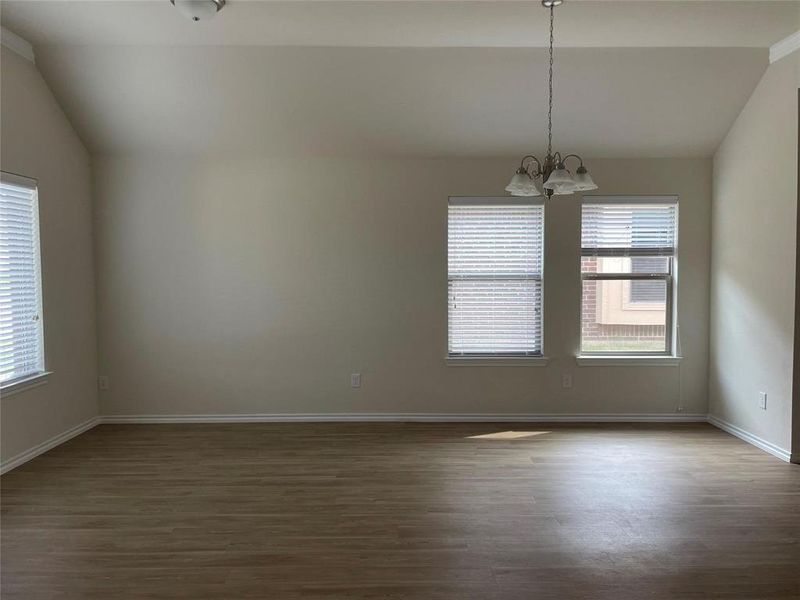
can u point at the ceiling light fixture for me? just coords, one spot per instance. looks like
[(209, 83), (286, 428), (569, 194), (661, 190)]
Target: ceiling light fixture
[(199, 10), (553, 171)]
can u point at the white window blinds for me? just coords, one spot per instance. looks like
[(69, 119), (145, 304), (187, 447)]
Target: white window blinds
[(629, 227), (494, 266), (21, 347)]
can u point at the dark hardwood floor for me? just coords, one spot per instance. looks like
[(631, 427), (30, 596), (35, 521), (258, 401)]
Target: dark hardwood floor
[(402, 511)]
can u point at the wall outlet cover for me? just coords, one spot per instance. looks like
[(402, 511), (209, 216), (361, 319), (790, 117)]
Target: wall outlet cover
[(355, 380)]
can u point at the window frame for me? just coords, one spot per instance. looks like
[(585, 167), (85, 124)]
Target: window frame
[(672, 341), (38, 377), (495, 358)]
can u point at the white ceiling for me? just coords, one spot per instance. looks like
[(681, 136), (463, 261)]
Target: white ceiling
[(402, 78), (493, 23)]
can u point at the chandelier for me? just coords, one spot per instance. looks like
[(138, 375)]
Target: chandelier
[(556, 178)]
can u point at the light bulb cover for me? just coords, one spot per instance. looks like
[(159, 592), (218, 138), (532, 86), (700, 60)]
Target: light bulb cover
[(559, 178), (564, 190), (522, 184), (199, 10), (584, 181)]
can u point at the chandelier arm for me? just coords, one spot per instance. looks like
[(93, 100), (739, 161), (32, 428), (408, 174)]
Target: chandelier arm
[(563, 160)]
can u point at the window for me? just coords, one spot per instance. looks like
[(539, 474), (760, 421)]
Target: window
[(628, 267), (21, 339), (494, 276), (642, 290)]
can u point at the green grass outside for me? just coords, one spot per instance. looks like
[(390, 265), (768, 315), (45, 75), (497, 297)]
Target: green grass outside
[(623, 346)]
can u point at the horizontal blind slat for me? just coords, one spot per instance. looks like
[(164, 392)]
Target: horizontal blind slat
[(494, 279), (618, 229), (20, 289)]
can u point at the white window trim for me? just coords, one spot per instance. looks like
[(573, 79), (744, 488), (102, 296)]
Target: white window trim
[(673, 356), (496, 361), (23, 385), (627, 360)]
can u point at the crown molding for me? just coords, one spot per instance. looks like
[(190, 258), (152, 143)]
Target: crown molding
[(785, 47), (21, 46)]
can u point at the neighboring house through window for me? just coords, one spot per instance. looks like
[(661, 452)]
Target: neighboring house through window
[(642, 291), (628, 272), (494, 276), (21, 332)]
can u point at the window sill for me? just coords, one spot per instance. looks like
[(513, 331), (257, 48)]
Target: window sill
[(628, 361), (23, 385), (496, 361)]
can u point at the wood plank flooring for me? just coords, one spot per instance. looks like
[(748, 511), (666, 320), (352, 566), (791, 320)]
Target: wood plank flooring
[(402, 511)]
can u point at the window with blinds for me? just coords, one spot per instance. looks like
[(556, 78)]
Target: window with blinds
[(494, 276), (628, 266), (21, 339)]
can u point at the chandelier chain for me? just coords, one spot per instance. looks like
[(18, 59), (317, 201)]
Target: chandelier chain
[(556, 178), (550, 89)]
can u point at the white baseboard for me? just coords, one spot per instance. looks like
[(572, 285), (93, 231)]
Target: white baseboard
[(54, 441), (752, 439), (409, 417), (24, 457)]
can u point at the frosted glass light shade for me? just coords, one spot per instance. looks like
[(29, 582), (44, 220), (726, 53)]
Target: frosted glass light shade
[(522, 185), (199, 10), (564, 190), (527, 192), (583, 181), (560, 179)]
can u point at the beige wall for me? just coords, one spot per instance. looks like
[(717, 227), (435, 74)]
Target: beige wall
[(38, 141), (754, 253), (249, 285)]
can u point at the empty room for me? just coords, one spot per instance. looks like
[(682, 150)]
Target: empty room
[(399, 299)]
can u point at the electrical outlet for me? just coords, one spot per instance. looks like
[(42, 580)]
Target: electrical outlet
[(355, 380), (566, 381), (102, 382), (762, 400)]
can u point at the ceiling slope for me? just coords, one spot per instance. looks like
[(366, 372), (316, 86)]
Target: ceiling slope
[(402, 78), (610, 102)]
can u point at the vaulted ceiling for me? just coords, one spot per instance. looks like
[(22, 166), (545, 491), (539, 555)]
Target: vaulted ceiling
[(435, 78)]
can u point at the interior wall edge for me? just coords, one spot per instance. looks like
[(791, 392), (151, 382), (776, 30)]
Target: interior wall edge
[(752, 286), (38, 141)]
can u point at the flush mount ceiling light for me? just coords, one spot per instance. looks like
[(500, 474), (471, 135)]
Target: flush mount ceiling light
[(199, 10), (556, 178)]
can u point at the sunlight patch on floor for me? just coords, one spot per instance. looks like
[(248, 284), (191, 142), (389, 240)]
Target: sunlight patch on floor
[(507, 435)]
